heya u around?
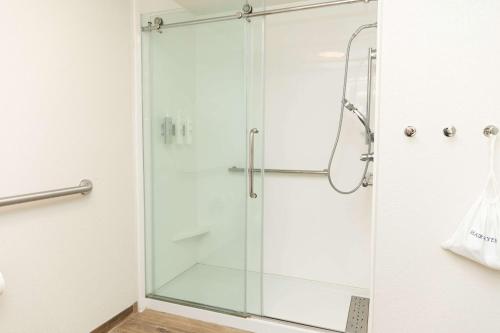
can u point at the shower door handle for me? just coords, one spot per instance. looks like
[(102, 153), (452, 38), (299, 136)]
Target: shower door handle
[(251, 159)]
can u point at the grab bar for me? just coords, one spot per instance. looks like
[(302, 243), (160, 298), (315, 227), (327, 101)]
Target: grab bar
[(323, 172), (84, 187)]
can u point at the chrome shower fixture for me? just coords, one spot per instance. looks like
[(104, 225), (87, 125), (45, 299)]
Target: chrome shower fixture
[(349, 106), (156, 25), (247, 8), (365, 120)]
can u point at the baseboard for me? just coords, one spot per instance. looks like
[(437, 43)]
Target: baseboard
[(116, 320)]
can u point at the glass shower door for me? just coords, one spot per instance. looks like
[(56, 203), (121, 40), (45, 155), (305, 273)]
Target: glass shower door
[(197, 128)]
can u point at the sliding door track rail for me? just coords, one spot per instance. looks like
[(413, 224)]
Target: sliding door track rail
[(245, 13)]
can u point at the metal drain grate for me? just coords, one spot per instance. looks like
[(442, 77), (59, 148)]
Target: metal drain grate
[(357, 320)]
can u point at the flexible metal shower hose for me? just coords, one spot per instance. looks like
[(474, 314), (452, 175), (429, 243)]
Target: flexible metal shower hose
[(341, 119)]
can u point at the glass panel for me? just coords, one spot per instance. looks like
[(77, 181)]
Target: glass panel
[(195, 129), (255, 119)]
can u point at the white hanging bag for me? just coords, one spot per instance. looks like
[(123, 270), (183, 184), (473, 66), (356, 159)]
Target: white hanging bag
[(478, 234)]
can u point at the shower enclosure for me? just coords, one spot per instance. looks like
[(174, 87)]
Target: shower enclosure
[(239, 115)]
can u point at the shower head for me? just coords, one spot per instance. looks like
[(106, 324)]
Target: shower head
[(349, 106)]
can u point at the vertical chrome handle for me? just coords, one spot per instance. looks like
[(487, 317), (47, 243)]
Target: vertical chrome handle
[(251, 158), (372, 54)]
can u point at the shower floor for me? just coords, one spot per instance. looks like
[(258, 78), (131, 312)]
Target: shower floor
[(292, 299)]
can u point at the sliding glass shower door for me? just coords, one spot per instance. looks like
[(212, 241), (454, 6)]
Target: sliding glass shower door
[(201, 103)]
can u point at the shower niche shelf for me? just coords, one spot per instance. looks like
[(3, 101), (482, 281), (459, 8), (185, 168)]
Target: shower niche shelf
[(196, 232)]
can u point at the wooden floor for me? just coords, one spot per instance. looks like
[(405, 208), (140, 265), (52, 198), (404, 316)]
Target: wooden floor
[(156, 322)]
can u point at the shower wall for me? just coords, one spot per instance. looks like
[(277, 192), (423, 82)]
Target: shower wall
[(310, 231)]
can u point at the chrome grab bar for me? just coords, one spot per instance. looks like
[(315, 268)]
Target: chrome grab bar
[(323, 172), (84, 187), (251, 169)]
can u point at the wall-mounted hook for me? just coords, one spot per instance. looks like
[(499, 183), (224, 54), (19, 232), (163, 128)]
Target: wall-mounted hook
[(490, 130), (450, 131), (410, 131)]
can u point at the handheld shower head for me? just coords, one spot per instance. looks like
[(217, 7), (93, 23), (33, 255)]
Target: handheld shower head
[(349, 106)]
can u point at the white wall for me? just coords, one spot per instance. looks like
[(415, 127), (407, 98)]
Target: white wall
[(439, 67), (70, 264)]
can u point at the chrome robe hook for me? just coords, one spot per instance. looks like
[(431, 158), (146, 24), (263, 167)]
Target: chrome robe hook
[(490, 130)]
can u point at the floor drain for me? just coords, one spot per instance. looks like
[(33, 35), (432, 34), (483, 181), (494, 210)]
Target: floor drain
[(357, 320)]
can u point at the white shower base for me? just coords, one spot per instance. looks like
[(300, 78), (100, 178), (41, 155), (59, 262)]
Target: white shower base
[(297, 300)]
